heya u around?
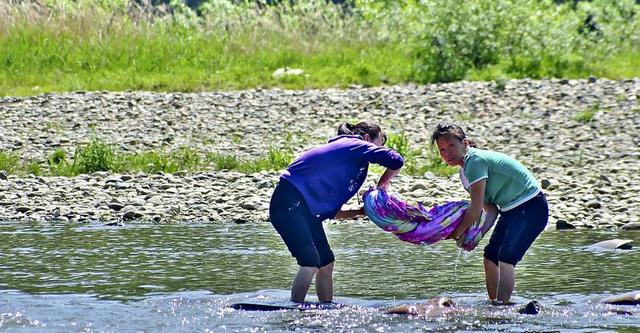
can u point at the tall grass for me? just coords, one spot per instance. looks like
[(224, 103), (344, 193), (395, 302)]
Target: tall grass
[(62, 45)]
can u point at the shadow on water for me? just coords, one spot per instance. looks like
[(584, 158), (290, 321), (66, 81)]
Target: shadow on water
[(184, 277)]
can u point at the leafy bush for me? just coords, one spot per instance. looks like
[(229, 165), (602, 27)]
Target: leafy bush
[(95, 156)]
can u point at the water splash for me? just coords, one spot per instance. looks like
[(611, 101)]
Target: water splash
[(455, 266)]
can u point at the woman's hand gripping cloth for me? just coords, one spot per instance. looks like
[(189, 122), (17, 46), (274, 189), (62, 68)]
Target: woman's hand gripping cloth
[(418, 225)]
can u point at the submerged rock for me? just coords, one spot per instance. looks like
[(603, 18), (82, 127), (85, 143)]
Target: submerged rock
[(437, 306), (532, 308), (630, 298), (612, 244)]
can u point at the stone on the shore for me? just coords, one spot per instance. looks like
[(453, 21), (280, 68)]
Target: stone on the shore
[(635, 226), (593, 204), (588, 169), (564, 225), (130, 212), (286, 71), (115, 205)]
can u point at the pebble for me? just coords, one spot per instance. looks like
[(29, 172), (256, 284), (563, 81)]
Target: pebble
[(588, 184)]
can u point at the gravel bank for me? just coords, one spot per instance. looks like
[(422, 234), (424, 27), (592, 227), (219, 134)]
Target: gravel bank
[(590, 170)]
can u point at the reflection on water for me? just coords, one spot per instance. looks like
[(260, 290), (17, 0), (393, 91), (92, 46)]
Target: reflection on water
[(182, 277)]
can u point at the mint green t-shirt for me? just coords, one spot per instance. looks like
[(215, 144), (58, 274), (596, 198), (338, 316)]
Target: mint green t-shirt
[(509, 183)]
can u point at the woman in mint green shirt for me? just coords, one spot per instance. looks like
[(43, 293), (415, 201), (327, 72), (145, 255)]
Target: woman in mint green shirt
[(497, 183)]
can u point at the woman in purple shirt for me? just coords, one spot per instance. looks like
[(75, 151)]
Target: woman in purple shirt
[(314, 188)]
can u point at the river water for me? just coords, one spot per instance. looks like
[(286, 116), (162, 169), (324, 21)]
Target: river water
[(182, 278)]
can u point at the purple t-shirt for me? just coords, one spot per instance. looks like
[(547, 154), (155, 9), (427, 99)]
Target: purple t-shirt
[(327, 176)]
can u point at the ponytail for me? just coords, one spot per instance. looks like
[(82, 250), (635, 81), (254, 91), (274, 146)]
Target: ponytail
[(345, 129), (361, 129)]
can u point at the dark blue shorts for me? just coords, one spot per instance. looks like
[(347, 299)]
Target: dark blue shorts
[(516, 230), (301, 231)]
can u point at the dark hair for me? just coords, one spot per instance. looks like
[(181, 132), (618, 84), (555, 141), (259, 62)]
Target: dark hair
[(361, 129), (455, 130)]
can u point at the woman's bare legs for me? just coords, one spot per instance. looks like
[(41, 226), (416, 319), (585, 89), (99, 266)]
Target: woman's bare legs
[(324, 283), (506, 282), (500, 280), (492, 275), (301, 283)]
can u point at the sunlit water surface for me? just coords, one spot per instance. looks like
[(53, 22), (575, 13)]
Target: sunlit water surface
[(183, 278)]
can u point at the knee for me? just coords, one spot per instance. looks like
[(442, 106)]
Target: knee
[(503, 255), (491, 254), (308, 257), (510, 256), (326, 259), (326, 268)]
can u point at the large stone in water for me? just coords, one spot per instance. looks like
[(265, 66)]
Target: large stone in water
[(434, 307), (532, 308), (630, 298), (612, 244)]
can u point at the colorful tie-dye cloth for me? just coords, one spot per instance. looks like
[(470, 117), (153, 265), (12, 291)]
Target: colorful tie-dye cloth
[(419, 225)]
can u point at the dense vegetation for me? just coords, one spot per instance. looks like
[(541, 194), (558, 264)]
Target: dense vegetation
[(63, 45), (198, 45)]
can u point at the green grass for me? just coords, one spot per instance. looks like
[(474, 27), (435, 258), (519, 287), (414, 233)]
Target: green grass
[(10, 162), (587, 115), (418, 160), (100, 156), (104, 45), (584, 116), (326, 68)]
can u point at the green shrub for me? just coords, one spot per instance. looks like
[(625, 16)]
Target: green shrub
[(528, 38), (585, 116), (64, 45), (95, 156), (9, 162), (457, 36), (58, 157), (418, 161), (223, 162), (399, 143)]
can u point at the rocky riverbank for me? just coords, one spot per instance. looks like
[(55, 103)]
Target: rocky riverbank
[(580, 138)]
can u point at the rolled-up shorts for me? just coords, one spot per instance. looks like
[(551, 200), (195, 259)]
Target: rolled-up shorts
[(300, 230), (516, 230)]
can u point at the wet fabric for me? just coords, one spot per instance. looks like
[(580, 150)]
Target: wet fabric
[(420, 225)]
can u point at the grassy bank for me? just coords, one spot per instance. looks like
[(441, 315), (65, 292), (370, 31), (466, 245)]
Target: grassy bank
[(98, 155), (63, 45)]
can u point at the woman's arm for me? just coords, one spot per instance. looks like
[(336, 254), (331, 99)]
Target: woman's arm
[(491, 213), (349, 214), (386, 177), (475, 208)]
